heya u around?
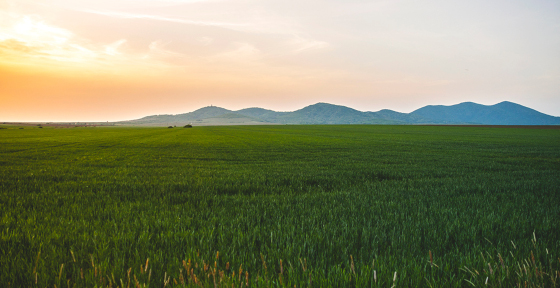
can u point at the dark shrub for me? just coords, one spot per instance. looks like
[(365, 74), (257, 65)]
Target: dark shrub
[(187, 126), (170, 127)]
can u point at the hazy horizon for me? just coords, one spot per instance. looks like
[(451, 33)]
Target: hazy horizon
[(63, 60), (235, 110)]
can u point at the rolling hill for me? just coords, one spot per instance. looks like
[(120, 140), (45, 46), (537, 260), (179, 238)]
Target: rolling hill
[(504, 113)]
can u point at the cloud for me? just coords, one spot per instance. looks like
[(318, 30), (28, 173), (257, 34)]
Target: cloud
[(30, 37), (158, 50), (16, 46), (125, 15), (31, 29), (240, 52), (301, 44), (113, 49), (28, 40)]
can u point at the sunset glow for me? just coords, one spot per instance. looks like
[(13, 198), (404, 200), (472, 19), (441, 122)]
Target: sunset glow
[(78, 60)]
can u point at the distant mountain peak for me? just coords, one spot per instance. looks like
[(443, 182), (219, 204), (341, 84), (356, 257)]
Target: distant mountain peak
[(508, 103), (211, 108)]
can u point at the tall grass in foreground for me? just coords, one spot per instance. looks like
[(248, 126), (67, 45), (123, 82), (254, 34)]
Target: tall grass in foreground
[(491, 269)]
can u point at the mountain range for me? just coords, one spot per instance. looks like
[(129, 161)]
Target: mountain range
[(503, 113)]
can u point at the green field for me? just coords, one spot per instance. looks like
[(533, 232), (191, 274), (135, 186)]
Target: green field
[(338, 205)]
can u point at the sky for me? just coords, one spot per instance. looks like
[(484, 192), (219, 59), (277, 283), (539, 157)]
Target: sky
[(110, 60)]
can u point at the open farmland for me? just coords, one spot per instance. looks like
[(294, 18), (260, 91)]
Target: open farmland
[(410, 206)]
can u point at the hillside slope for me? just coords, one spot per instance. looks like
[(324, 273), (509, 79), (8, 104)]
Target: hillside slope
[(504, 113)]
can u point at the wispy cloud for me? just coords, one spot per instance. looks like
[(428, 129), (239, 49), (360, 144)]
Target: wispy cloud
[(29, 40), (125, 15), (301, 44), (241, 52), (30, 37), (113, 49), (31, 28), (158, 50)]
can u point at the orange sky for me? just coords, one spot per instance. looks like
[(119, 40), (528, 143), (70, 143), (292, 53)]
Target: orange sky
[(78, 60)]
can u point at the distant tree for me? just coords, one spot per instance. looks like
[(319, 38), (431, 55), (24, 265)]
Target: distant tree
[(170, 127), (187, 126)]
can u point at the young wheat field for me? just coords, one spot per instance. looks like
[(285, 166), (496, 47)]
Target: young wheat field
[(280, 206)]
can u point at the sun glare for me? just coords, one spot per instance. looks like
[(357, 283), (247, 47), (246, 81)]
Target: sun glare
[(36, 31), (28, 40)]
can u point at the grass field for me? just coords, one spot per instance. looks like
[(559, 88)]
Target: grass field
[(365, 206)]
